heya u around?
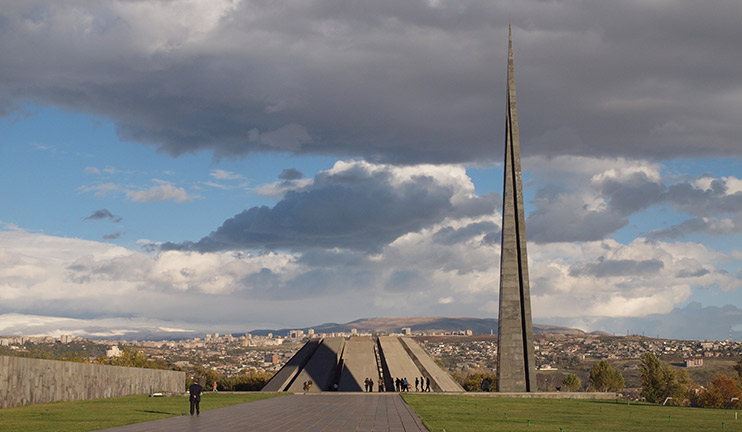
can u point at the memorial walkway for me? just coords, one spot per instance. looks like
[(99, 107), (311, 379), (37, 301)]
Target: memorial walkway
[(326, 412)]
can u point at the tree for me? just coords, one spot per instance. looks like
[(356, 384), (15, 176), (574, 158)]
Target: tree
[(738, 369), (660, 381), (720, 393), (571, 382), (473, 382), (604, 378)]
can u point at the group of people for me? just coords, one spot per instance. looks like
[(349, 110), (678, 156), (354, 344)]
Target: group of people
[(369, 383), (421, 384)]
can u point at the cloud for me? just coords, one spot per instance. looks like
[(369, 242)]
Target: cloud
[(290, 174), (608, 268), (693, 321), (162, 192), (398, 83), (413, 275), (92, 170), (225, 175), (101, 190), (104, 214), (354, 205), (112, 236), (708, 226)]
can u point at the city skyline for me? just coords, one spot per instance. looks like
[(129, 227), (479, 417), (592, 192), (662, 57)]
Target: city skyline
[(225, 166)]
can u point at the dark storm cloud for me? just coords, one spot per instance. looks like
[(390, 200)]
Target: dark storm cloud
[(356, 208), (386, 80), (290, 174), (104, 214), (563, 216), (616, 268), (709, 202)]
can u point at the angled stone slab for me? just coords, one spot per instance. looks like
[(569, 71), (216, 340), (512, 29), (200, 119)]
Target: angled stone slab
[(397, 359), (359, 363), (288, 372), (440, 380), (321, 368)]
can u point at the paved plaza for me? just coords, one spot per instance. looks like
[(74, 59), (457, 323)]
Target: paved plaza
[(326, 412)]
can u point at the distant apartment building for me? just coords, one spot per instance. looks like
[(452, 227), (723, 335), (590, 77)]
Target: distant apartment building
[(271, 358)]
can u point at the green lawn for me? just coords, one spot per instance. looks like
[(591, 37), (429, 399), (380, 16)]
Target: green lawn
[(470, 413), (104, 413)]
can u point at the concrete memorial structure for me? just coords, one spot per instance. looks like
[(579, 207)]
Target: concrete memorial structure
[(347, 363), (26, 381), (516, 368)]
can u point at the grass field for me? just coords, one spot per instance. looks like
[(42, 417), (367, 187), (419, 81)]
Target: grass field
[(104, 413), (471, 413)]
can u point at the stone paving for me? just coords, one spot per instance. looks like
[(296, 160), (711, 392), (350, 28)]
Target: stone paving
[(327, 412)]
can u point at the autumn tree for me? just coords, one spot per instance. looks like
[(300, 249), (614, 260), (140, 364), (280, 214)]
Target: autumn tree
[(721, 392), (604, 378)]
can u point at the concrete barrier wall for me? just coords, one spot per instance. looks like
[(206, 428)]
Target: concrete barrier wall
[(26, 381)]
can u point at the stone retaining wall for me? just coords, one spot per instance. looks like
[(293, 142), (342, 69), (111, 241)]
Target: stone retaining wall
[(25, 381)]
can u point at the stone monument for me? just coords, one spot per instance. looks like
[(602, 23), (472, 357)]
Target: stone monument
[(516, 368)]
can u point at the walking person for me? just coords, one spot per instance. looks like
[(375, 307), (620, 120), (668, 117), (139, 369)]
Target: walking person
[(195, 397), (370, 385), (427, 384), (417, 383), (381, 385), (405, 385)]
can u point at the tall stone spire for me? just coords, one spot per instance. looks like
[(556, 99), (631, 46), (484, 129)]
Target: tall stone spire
[(515, 358)]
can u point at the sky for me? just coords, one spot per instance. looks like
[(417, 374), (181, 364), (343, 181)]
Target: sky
[(228, 165)]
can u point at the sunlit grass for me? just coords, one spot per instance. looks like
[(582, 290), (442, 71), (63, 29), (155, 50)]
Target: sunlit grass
[(472, 413), (105, 413)]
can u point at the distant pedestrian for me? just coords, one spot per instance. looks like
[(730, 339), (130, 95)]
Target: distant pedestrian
[(381, 385), (370, 385), (307, 385), (405, 385), (486, 385), (417, 384), (427, 384), (398, 384), (422, 384), (214, 388), (194, 392)]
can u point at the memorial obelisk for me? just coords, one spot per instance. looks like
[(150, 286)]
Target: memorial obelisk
[(515, 359)]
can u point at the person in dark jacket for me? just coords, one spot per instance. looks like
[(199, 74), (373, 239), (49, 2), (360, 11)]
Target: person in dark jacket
[(195, 396)]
